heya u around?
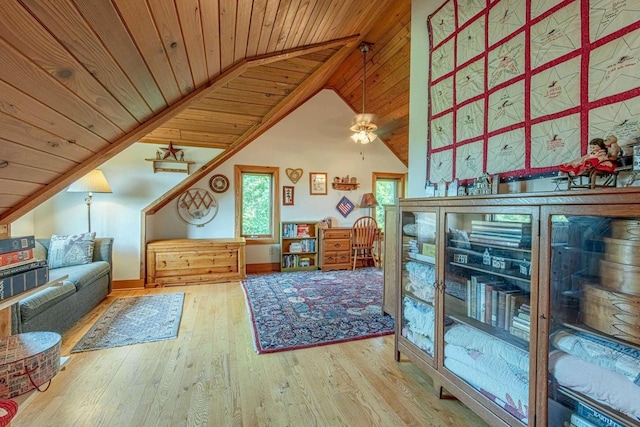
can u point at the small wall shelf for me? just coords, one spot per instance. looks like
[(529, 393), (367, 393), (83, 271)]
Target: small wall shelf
[(170, 165), (345, 186)]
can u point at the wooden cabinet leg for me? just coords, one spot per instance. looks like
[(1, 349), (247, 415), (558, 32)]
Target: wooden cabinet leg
[(441, 392)]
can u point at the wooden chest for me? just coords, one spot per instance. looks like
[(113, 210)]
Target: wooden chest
[(191, 261), (335, 248)]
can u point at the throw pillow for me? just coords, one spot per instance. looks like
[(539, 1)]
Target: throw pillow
[(76, 249)]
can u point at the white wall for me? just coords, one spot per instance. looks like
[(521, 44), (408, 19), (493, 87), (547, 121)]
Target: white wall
[(116, 215), (315, 138), (419, 95)]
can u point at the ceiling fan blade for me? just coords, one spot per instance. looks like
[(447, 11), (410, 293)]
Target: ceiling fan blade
[(364, 118), (389, 127)]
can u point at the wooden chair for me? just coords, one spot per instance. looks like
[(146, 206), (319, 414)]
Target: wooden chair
[(363, 237)]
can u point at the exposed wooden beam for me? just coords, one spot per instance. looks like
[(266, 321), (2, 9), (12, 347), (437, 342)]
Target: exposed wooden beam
[(303, 92)]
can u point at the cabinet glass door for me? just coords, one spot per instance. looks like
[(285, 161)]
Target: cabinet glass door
[(487, 310), (418, 280), (594, 329)]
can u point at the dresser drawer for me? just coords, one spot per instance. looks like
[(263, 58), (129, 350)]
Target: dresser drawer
[(332, 257), (337, 245), (337, 233)]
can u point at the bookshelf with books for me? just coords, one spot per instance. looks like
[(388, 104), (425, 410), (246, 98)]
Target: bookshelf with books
[(536, 305), (298, 246)]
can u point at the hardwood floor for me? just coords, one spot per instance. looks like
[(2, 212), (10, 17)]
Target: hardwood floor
[(211, 376)]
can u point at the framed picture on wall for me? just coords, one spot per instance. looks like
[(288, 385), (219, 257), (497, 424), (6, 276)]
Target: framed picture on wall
[(287, 195), (317, 183)]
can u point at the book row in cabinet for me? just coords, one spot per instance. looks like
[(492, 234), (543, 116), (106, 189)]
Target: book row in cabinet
[(525, 307)]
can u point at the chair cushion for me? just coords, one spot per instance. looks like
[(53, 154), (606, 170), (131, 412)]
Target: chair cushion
[(41, 301)]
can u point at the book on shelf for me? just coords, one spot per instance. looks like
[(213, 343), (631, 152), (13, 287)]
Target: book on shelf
[(22, 282), (516, 301), (488, 303), (8, 259), (501, 224), (470, 293), (595, 417), (488, 241), (498, 237), (516, 332), (20, 267), (518, 323), (503, 295), (13, 244), (494, 307), (500, 230), (578, 421), (302, 230)]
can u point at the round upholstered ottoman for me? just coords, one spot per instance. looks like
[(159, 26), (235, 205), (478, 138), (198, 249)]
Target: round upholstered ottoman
[(28, 361)]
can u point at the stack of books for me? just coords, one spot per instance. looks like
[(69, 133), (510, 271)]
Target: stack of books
[(585, 416), (501, 233), (19, 270), (521, 322)]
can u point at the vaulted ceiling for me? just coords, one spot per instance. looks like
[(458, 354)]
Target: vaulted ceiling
[(81, 80)]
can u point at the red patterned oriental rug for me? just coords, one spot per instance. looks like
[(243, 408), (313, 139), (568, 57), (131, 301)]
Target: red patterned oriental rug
[(297, 310)]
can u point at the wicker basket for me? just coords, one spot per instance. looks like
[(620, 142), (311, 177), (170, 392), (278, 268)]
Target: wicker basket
[(626, 229), (622, 251), (620, 277), (613, 313)]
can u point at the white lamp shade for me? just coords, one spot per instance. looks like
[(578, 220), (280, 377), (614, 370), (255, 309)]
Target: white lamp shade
[(93, 182)]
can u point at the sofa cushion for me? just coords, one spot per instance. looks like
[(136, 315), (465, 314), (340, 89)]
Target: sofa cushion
[(39, 302), (75, 249), (82, 275)]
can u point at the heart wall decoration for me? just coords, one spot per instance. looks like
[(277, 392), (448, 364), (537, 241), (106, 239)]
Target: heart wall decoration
[(294, 174)]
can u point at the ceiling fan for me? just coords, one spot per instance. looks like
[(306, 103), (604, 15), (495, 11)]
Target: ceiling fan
[(363, 126)]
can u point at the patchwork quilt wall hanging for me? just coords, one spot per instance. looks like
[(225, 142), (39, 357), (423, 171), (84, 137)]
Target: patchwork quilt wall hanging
[(517, 87)]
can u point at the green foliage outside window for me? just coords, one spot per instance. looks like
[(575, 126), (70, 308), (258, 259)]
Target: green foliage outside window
[(386, 194), (256, 204)]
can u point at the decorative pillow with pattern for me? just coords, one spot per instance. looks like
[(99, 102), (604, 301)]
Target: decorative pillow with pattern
[(75, 249)]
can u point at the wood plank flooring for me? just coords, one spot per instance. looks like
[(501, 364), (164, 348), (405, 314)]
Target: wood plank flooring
[(211, 376)]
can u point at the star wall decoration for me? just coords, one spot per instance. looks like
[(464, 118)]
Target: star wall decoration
[(171, 152)]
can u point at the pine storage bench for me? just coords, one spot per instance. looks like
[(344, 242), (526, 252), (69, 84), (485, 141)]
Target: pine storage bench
[(194, 261)]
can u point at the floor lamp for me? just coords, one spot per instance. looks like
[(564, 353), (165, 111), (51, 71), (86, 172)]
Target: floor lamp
[(93, 182)]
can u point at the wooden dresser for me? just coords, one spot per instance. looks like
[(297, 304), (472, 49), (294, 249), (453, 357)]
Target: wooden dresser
[(335, 248), (191, 261)]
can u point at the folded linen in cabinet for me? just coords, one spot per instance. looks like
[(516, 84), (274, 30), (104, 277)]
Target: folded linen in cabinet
[(419, 317), (473, 339), (603, 385), (491, 374), (610, 355)]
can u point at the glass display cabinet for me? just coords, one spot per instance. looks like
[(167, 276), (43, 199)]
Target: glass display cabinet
[(594, 329), (415, 325), (487, 306), (527, 309)]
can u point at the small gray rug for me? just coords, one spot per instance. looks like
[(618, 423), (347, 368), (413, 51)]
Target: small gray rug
[(135, 320)]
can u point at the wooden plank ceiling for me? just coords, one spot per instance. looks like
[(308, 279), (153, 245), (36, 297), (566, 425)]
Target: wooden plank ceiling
[(81, 80)]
